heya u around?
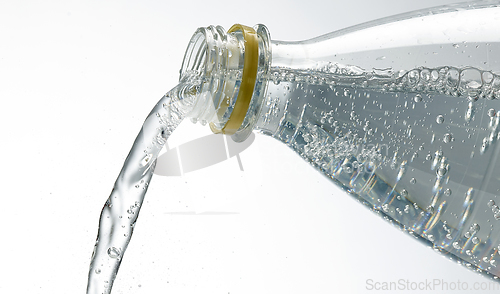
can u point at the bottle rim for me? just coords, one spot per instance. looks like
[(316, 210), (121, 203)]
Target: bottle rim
[(248, 79)]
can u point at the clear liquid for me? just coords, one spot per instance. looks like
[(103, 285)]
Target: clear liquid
[(121, 210), (419, 149)]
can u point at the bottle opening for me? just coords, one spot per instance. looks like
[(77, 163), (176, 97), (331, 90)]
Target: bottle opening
[(249, 75), (232, 67)]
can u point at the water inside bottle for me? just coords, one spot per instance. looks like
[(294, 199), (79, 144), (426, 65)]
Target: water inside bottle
[(418, 147), (121, 210)]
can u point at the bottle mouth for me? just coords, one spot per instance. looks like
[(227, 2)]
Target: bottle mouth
[(247, 85), (231, 66)]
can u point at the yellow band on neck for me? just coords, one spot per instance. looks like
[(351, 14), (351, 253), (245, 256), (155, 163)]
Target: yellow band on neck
[(248, 79)]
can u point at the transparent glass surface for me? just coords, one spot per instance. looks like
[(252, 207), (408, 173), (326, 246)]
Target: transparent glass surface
[(403, 113)]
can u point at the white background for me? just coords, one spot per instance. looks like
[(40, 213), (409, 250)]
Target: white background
[(77, 78)]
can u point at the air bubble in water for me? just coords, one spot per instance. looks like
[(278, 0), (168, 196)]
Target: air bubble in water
[(404, 193), (441, 171), (469, 114), (413, 76), (430, 209), (113, 252), (475, 240), (447, 138), (145, 161), (474, 228), (440, 119), (347, 168)]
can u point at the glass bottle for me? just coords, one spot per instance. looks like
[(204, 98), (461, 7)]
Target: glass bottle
[(402, 113)]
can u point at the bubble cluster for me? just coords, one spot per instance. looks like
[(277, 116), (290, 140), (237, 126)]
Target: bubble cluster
[(114, 252), (468, 82), (400, 142), (347, 149), (494, 209)]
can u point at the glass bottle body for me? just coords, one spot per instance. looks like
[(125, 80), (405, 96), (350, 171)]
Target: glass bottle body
[(404, 115)]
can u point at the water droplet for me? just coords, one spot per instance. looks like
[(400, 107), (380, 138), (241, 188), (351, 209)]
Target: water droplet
[(404, 193), (413, 181), (97, 270), (456, 245), (113, 252), (428, 157), (447, 192), (491, 112), (417, 98), (491, 203), (440, 119)]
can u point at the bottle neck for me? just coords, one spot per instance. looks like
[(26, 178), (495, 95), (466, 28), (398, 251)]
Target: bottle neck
[(425, 50), (232, 67)]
